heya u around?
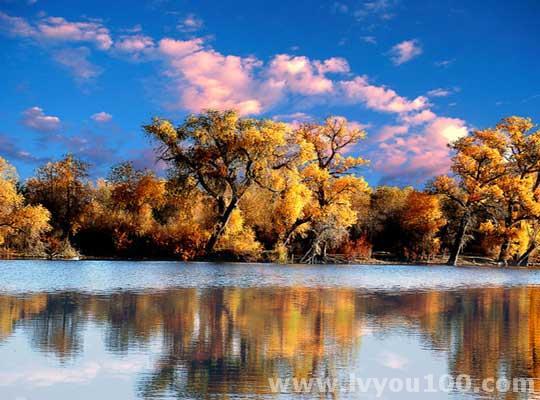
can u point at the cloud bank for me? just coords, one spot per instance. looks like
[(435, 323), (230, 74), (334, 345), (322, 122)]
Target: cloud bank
[(413, 145)]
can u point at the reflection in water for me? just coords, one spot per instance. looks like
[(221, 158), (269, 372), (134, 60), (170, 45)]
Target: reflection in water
[(231, 340)]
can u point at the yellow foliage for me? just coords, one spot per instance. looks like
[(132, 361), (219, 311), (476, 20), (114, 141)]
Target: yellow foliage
[(238, 238), (18, 220), (328, 174)]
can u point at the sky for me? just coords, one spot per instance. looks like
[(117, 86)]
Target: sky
[(82, 77)]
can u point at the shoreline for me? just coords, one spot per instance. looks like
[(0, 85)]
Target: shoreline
[(359, 262)]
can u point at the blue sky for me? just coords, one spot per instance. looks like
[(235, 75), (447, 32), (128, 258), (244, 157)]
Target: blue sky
[(82, 77)]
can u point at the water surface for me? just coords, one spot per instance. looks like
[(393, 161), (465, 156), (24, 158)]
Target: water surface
[(128, 330)]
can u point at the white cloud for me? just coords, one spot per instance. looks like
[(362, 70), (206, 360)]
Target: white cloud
[(60, 33), (369, 39), (439, 92), (36, 119), (83, 374), (296, 116), (101, 117), (405, 51), (299, 74), (76, 61), (375, 8), (444, 63)]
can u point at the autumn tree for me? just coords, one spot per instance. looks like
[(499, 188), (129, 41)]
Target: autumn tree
[(479, 162), (134, 189), (382, 222), (135, 195), (224, 155), (517, 207), (63, 188), (403, 222), (284, 203), (420, 221), (20, 223), (122, 209), (329, 175)]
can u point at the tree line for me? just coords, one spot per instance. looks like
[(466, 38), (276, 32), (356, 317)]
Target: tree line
[(261, 190)]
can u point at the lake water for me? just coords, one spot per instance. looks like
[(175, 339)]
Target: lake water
[(129, 330)]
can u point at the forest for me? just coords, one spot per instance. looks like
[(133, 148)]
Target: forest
[(248, 189)]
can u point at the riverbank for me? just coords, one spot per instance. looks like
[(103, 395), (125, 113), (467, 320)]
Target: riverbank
[(465, 261)]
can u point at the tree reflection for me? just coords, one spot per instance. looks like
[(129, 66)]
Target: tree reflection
[(231, 340)]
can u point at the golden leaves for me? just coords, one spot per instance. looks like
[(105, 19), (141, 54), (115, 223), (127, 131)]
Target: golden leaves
[(16, 217), (498, 175)]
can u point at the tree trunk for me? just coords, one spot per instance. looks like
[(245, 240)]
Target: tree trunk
[(505, 247), (313, 255), (220, 226), (458, 241), (294, 227), (503, 253), (523, 260)]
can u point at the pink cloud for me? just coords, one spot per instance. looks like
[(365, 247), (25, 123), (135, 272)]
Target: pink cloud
[(102, 117), (389, 131), (179, 48), (208, 79), (190, 23), (419, 117), (413, 143), (380, 98), (405, 51), (57, 28), (134, 43), (15, 26), (422, 154), (333, 65), (450, 129), (299, 74), (36, 119), (392, 159)]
